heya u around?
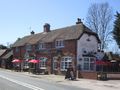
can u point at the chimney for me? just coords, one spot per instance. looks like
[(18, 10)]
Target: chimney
[(46, 27), (78, 21), (18, 39), (32, 32)]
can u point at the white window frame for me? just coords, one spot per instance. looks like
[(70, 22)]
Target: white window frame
[(66, 62), (17, 49), (59, 43), (26, 65), (41, 45), (55, 63), (28, 47), (90, 61), (42, 63)]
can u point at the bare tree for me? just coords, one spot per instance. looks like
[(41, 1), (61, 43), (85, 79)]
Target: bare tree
[(98, 20)]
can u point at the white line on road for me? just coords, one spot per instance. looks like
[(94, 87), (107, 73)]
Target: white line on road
[(22, 83)]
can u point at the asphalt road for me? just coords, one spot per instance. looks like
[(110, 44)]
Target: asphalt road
[(10, 80)]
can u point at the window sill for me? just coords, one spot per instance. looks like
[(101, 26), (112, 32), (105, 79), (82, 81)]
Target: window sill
[(63, 70), (41, 48), (59, 47), (29, 50), (55, 69), (88, 70), (42, 67)]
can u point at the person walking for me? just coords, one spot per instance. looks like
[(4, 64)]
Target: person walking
[(70, 73), (67, 76)]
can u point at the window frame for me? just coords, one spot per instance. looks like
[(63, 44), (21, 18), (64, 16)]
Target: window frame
[(59, 43), (55, 63), (41, 45), (65, 63), (42, 63), (28, 47), (26, 64), (17, 49), (90, 63)]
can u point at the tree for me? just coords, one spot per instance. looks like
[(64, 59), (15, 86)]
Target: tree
[(98, 20), (3, 47), (116, 30)]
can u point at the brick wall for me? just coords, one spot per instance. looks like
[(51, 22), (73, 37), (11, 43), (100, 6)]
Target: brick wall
[(68, 50), (20, 54), (16, 54), (87, 75), (70, 46)]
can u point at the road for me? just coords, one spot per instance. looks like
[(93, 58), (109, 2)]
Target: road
[(10, 80)]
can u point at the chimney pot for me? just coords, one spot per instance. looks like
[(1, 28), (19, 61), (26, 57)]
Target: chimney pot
[(46, 27), (32, 32), (78, 21)]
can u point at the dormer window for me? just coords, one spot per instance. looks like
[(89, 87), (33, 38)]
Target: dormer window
[(59, 43), (28, 47), (41, 46)]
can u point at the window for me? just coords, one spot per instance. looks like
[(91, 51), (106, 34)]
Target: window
[(28, 47), (92, 64), (16, 49), (55, 64), (59, 43), (86, 63), (41, 46), (89, 64), (42, 63), (26, 66), (65, 63)]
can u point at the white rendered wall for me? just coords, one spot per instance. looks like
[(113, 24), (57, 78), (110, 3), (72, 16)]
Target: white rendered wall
[(88, 46)]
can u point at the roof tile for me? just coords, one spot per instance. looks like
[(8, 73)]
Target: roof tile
[(66, 33)]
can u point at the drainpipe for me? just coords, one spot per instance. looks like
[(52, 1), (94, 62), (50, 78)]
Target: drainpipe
[(76, 60), (51, 61), (50, 53)]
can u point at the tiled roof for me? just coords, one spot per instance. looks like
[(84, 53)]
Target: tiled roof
[(22, 41), (67, 33), (10, 53), (2, 51), (112, 56)]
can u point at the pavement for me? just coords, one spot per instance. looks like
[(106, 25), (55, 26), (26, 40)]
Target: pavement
[(82, 83)]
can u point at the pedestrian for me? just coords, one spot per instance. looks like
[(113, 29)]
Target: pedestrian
[(67, 76), (72, 77), (70, 73)]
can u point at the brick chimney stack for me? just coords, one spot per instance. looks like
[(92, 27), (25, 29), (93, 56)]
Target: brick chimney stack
[(46, 27)]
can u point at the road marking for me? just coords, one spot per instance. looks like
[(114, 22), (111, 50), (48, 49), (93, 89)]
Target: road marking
[(22, 83)]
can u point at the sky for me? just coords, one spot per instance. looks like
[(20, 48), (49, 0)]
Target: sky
[(19, 17)]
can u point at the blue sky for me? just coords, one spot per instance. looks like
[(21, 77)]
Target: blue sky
[(17, 16)]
